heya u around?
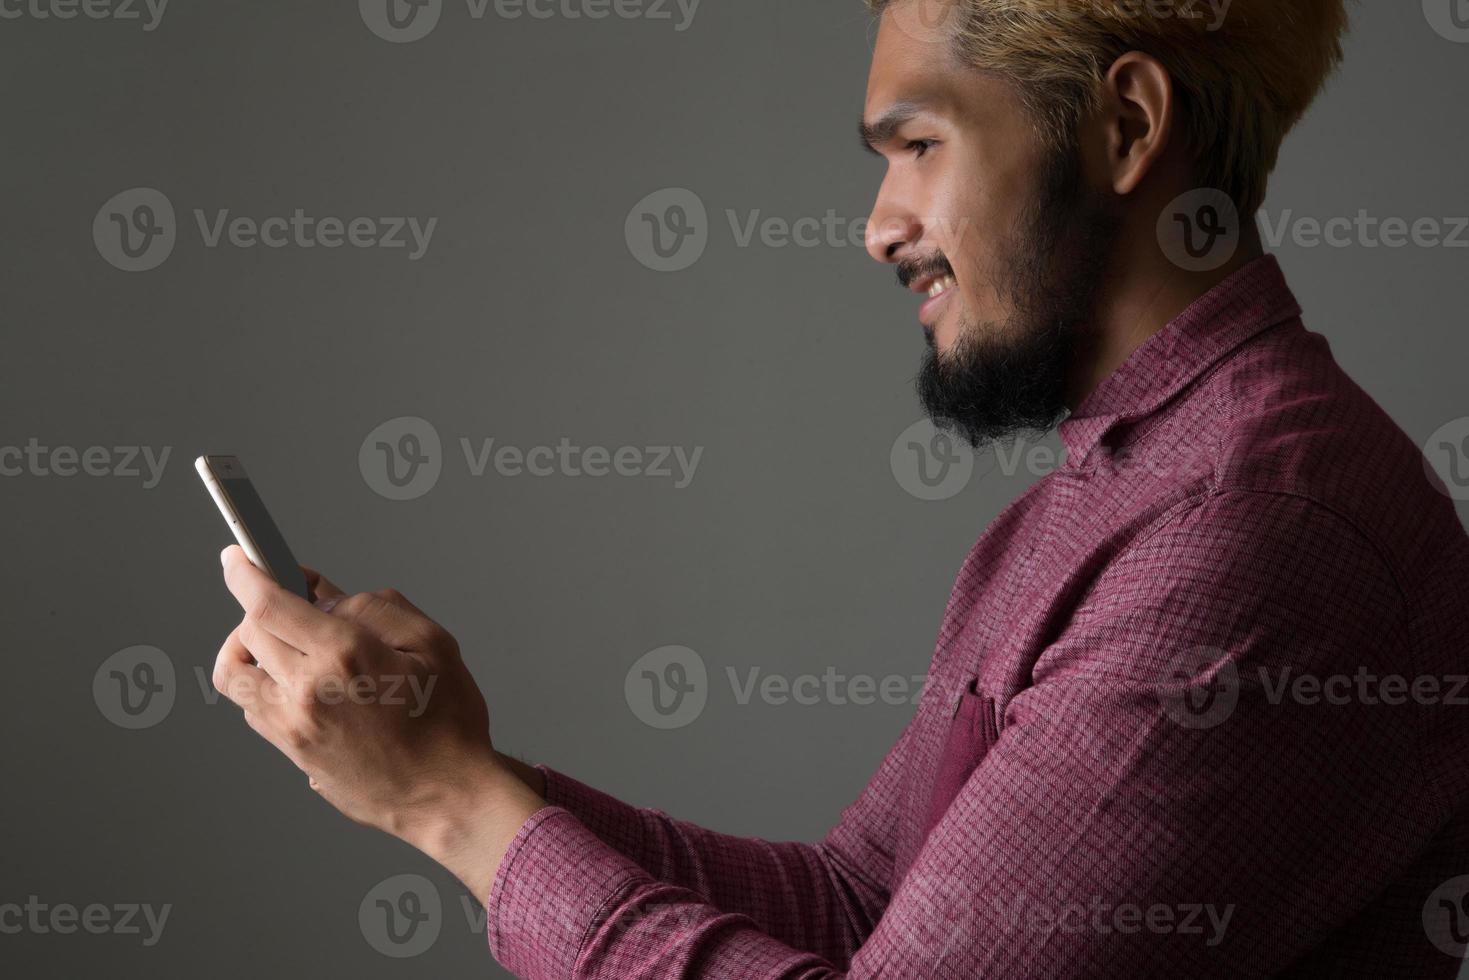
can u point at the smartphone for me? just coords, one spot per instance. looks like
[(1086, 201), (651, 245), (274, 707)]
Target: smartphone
[(235, 496)]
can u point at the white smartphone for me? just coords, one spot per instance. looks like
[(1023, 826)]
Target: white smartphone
[(242, 508)]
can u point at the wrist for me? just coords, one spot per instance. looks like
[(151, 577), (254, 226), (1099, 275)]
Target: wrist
[(471, 823)]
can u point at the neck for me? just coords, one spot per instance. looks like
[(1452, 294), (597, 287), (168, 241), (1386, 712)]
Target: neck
[(1145, 293)]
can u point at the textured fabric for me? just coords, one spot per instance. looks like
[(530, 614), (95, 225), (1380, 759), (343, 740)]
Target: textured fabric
[(1119, 767)]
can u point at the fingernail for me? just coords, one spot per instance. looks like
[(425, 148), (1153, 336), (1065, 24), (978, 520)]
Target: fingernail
[(327, 605), (224, 556)]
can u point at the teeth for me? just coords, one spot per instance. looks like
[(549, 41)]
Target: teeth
[(941, 286)]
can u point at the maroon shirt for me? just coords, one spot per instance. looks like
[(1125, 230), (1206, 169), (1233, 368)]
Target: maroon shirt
[(1196, 710)]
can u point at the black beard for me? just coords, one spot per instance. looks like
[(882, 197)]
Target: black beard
[(1002, 379)]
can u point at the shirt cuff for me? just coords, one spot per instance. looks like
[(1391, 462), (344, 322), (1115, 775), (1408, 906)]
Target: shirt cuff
[(554, 883)]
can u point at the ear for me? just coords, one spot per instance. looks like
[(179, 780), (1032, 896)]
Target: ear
[(1136, 118)]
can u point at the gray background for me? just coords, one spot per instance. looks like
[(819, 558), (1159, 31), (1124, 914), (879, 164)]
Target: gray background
[(795, 548)]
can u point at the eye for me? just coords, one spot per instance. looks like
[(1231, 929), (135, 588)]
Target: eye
[(919, 147)]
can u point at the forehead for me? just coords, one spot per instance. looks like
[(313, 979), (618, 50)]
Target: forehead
[(915, 62), (909, 63)]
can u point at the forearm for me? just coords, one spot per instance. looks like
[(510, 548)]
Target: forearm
[(799, 893)]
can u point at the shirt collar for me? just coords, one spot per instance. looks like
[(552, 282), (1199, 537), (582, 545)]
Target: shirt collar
[(1251, 300)]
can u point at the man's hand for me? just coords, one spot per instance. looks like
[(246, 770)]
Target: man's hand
[(370, 698)]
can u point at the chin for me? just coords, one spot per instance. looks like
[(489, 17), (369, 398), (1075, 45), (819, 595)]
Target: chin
[(943, 339)]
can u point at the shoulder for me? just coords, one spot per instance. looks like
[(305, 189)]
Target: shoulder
[(1290, 424)]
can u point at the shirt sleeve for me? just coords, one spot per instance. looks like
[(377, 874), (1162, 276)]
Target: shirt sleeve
[(825, 898), (1164, 798)]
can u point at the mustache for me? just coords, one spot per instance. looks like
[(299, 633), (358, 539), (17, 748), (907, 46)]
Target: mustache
[(911, 270)]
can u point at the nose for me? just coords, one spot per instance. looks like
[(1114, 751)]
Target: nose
[(893, 230)]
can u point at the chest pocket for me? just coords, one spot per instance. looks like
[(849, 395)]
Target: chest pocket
[(973, 731)]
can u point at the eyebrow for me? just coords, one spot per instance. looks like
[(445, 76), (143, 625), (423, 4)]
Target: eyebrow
[(881, 132)]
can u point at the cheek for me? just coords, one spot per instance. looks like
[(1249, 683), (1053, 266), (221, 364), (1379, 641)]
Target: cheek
[(978, 305), (976, 241)]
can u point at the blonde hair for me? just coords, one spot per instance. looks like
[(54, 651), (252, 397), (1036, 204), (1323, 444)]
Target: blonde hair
[(1241, 81)]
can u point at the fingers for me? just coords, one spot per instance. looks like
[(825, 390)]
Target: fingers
[(278, 612), (322, 588), (240, 680), (395, 621), (284, 663)]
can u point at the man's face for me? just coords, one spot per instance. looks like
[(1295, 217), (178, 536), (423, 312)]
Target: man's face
[(992, 229)]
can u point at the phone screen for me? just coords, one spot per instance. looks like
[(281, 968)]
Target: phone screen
[(251, 522)]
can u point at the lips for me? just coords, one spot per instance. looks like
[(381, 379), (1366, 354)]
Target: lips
[(938, 288)]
